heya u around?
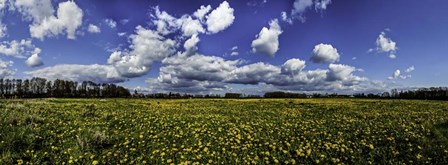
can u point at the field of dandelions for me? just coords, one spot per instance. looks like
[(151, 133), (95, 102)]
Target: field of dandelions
[(223, 131)]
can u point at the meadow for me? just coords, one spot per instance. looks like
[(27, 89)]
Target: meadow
[(223, 131)]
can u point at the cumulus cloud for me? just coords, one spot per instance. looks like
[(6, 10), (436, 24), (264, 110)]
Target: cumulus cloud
[(34, 10), (202, 11), (285, 17), (5, 71), (3, 28), (399, 75), (217, 20), (146, 47), (266, 41), (18, 48), (190, 45), (325, 53), (2, 4), (321, 5), (301, 6), (200, 72), (34, 61), (220, 18), (191, 26), (293, 66), (67, 19), (340, 72), (193, 73), (94, 29), (385, 45), (253, 73), (166, 24), (95, 73), (111, 23)]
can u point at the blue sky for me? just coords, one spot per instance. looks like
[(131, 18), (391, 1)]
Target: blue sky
[(215, 46)]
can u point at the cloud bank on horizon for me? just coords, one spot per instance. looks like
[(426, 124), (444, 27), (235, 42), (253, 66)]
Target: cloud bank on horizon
[(203, 47)]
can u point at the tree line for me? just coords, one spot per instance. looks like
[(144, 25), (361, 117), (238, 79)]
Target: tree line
[(41, 88), (433, 93)]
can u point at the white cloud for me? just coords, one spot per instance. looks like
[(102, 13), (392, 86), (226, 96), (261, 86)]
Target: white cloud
[(5, 71), (293, 66), (410, 69), (121, 34), (34, 10), (392, 56), (191, 26), (266, 41), (198, 67), (95, 73), (386, 45), (146, 47), (18, 49), (2, 4), (194, 73), (124, 21), (202, 11), (164, 22), (285, 17), (301, 6), (234, 51), (325, 53), (397, 75), (220, 18), (68, 20), (340, 72), (3, 30), (190, 45), (94, 29), (34, 61), (111, 23), (167, 24), (217, 20), (3, 27), (253, 73), (322, 4)]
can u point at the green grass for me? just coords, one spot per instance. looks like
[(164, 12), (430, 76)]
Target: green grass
[(223, 131)]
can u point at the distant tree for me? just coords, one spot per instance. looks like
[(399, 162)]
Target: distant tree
[(26, 88), (19, 88), (2, 88), (280, 94), (385, 95), (233, 95)]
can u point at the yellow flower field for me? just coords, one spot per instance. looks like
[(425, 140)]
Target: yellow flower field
[(223, 131)]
